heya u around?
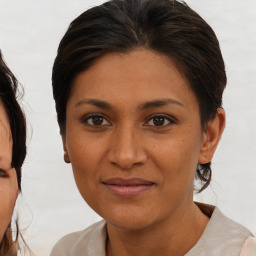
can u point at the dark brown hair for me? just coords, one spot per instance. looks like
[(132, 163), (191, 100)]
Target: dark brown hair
[(8, 95), (169, 27)]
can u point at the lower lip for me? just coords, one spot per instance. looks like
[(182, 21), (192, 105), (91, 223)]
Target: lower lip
[(129, 191)]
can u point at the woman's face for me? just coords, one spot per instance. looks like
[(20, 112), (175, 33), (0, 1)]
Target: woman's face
[(8, 178), (134, 138)]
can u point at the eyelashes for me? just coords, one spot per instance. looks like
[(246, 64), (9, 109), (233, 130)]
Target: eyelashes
[(98, 120)]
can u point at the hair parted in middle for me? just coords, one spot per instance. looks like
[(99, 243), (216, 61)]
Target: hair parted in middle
[(168, 27)]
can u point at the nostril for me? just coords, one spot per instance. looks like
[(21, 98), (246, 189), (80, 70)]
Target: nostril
[(127, 163)]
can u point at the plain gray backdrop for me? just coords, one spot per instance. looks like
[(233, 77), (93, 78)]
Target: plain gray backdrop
[(50, 205)]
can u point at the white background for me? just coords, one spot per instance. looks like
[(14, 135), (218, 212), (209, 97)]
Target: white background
[(50, 205)]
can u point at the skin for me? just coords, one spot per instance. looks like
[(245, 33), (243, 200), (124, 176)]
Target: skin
[(126, 140), (8, 179)]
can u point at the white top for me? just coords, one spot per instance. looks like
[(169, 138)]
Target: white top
[(221, 237)]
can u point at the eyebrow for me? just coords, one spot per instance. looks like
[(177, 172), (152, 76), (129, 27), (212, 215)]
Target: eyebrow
[(94, 102), (150, 104), (160, 103)]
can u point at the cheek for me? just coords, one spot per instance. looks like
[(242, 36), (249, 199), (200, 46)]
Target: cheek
[(86, 154), (176, 152), (84, 164), (84, 158), (176, 157)]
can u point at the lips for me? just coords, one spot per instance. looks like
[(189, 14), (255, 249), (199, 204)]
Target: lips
[(128, 187)]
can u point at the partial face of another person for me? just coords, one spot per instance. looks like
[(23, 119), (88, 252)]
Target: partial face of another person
[(8, 178), (134, 138)]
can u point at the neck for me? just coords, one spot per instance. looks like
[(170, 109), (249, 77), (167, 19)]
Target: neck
[(176, 235)]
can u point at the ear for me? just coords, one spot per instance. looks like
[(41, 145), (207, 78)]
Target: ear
[(66, 156), (211, 137)]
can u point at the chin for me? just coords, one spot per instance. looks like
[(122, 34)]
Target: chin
[(130, 219)]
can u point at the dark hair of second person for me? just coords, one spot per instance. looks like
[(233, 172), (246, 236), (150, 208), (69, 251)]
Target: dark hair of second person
[(16, 118)]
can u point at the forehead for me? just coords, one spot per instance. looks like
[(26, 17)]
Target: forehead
[(5, 129), (139, 75), (4, 120), (5, 138)]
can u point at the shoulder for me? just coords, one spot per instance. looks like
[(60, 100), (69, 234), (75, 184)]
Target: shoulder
[(222, 236), (249, 247), (230, 228), (83, 242)]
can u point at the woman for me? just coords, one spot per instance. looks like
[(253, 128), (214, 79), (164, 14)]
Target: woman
[(12, 155), (138, 89)]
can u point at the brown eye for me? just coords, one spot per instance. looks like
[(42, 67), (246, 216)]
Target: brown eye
[(160, 121), (96, 120)]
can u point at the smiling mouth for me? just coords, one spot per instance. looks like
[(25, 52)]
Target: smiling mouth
[(128, 187)]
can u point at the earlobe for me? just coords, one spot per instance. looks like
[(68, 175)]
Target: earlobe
[(211, 137), (66, 155)]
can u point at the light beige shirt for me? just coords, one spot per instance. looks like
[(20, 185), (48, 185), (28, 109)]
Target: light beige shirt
[(222, 237)]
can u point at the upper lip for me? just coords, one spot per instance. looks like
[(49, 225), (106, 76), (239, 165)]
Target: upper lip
[(126, 182)]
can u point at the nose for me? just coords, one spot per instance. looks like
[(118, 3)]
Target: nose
[(126, 149)]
